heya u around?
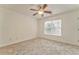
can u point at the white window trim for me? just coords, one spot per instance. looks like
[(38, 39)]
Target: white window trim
[(59, 34)]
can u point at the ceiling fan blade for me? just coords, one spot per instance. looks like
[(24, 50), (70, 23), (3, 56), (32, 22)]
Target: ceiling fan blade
[(44, 6), (33, 9), (48, 12), (35, 14)]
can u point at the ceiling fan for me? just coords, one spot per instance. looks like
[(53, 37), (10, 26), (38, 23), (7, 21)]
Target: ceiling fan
[(41, 10)]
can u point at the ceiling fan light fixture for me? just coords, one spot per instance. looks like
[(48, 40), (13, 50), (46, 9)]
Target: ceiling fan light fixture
[(40, 12)]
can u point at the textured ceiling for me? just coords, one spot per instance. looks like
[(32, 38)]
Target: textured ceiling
[(55, 8)]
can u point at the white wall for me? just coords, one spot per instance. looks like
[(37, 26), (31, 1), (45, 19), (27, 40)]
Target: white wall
[(1, 22), (15, 27), (69, 27)]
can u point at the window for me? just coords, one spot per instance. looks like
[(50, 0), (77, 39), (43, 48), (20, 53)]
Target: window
[(53, 27)]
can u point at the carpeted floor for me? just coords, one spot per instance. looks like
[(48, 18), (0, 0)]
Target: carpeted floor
[(39, 47)]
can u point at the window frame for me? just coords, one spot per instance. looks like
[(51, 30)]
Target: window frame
[(55, 34)]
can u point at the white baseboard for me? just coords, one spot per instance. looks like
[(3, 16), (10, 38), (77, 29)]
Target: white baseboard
[(60, 41), (8, 44)]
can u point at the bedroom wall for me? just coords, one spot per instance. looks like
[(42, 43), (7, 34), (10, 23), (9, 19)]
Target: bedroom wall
[(1, 22), (15, 27), (70, 25)]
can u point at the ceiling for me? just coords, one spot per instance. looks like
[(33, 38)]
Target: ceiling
[(55, 8)]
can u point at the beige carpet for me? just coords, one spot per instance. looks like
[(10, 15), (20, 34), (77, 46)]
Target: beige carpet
[(39, 47)]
